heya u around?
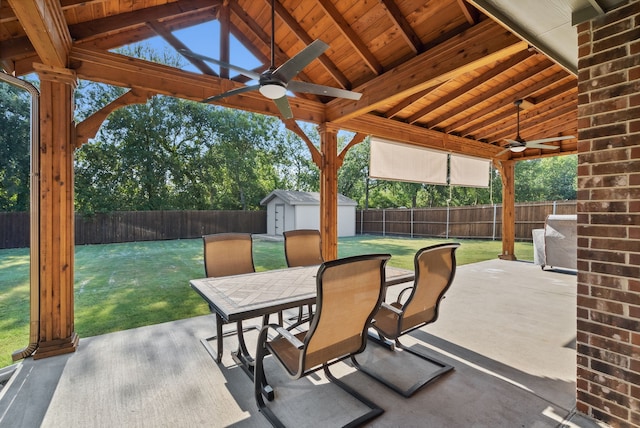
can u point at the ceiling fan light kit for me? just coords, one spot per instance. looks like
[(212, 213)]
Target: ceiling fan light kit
[(273, 91)]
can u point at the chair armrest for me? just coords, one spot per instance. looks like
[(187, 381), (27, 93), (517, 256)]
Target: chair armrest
[(287, 335), (391, 308)]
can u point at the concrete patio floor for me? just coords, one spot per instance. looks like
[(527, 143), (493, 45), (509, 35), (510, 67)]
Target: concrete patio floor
[(508, 328)]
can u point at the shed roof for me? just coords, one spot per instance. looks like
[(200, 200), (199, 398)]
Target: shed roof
[(294, 197)]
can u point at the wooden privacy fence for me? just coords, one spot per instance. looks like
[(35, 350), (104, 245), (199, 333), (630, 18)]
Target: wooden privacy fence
[(479, 221), (129, 226)]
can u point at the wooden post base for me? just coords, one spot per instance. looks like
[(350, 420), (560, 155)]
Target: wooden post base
[(57, 347)]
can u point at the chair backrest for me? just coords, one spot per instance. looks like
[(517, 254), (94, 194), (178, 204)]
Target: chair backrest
[(349, 292), (435, 268), (303, 247), (228, 254)]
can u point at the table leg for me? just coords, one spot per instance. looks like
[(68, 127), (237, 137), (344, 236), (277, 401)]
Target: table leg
[(219, 338)]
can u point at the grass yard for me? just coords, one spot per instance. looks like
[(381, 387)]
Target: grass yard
[(122, 286)]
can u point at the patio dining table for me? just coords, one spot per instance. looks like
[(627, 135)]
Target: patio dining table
[(237, 298)]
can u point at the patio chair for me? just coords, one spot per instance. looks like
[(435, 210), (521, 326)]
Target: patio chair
[(349, 291), (303, 247), (228, 254), (435, 268)]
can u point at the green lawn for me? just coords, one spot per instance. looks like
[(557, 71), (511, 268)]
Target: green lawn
[(122, 286)]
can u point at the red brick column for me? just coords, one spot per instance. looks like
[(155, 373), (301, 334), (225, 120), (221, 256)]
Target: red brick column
[(608, 312)]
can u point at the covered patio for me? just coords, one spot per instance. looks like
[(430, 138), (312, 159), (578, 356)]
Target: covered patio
[(441, 75), (512, 343)]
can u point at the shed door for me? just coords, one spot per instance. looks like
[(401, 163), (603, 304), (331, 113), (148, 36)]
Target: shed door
[(279, 219)]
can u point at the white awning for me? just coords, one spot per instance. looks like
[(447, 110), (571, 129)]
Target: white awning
[(469, 171), (391, 160)]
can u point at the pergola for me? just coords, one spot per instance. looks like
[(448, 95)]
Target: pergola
[(435, 74)]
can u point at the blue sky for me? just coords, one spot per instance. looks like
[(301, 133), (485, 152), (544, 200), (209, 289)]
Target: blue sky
[(204, 39)]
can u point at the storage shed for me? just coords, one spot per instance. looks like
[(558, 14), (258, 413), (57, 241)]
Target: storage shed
[(290, 210)]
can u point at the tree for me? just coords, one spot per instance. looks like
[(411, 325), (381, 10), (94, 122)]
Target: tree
[(14, 148)]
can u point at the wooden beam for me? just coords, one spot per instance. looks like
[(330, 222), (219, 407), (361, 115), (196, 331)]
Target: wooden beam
[(56, 215), (399, 131), (481, 45), (44, 23), (120, 70), (89, 127), (329, 191), (223, 17), (507, 174), (354, 40), (406, 31)]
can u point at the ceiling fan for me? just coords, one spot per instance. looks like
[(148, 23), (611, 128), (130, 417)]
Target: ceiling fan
[(274, 82), (519, 144)]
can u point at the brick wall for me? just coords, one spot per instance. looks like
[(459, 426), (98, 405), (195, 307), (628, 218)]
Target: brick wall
[(608, 312)]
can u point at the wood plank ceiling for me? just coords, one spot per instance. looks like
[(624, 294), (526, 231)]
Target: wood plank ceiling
[(437, 73)]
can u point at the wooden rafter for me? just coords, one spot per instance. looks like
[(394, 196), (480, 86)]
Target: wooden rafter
[(481, 45), (406, 30), (302, 35), (506, 84), (223, 17), (410, 100), (483, 78), (353, 39), (469, 11)]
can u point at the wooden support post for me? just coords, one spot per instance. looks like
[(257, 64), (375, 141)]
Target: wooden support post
[(56, 264), (507, 174), (329, 191)]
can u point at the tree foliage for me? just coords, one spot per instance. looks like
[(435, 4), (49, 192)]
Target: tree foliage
[(172, 154), (14, 148)]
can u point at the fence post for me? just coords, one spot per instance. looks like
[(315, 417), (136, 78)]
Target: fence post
[(447, 233), (361, 221), (412, 222), (384, 222), (554, 207), (495, 211)]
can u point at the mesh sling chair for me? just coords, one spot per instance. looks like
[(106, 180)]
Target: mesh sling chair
[(303, 247), (435, 268), (227, 254), (349, 292)]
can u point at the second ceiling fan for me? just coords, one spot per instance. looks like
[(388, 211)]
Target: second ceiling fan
[(518, 144), (274, 82)]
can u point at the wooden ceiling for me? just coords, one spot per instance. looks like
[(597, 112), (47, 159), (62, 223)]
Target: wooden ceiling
[(436, 73)]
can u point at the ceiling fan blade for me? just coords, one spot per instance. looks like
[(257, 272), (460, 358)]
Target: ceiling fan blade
[(513, 143), (502, 152), (231, 93), (249, 73), (534, 145), (303, 58), (283, 105), (312, 88), (550, 139)]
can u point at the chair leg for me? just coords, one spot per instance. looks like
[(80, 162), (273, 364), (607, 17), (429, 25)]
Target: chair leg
[(260, 386), (443, 368), (374, 411)]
